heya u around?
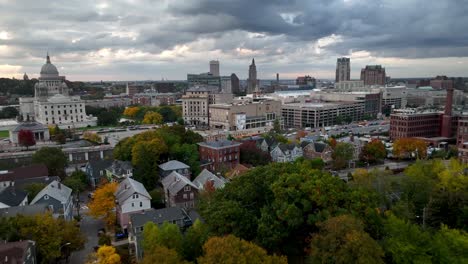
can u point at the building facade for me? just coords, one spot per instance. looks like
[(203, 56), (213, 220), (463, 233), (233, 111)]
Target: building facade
[(373, 75), (219, 155), (343, 70), (52, 104), (203, 79), (441, 82), (404, 125), (252, 82), (354, 85), (235, 84), (214, 68), (131, 197), (244, 115)]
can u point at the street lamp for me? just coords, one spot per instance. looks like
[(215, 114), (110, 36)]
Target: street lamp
[(66, 244)]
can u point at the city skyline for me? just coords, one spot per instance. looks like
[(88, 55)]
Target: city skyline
[(139, 40)]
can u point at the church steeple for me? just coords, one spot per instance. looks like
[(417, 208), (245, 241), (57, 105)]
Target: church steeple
[(253, 61), (48, 58)]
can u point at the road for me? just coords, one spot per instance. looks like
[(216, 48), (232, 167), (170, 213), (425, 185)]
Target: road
[(89, 227), (392, 165)]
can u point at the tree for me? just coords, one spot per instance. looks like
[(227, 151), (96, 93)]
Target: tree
[(342, 239), (26, 138), (41, 228), (107, 255), (162, 255), (168, 235), (230, 249), (450, 246), (405, 241), (342, 154), (93, 137), (131, 112), (53, 158), (9, 112), (107, 118), (251, 154), (103, 204), (410, 147), (277, 126), (301, 134), (77, 184), (145, 158), (194, 239), (33, 189), (157, 198), (332, 142), (373, 151), (152, 118)]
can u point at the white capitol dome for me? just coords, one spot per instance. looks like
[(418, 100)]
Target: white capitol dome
[(48, 69)]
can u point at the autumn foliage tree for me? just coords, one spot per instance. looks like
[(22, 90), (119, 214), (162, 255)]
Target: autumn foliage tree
[(342, 239), (105, 255), (152, 118), (131, 112), (103, 204), (26, 138), (373, 151), (93, 137), (230, 249), (410, 147)]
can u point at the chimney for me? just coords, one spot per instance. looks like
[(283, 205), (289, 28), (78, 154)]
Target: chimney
[(447, 117), (59, 185)]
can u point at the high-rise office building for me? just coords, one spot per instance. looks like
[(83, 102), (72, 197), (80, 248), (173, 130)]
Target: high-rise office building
[(343, 69), (235, 84), (373, 75), (214, 68), (252, 82)]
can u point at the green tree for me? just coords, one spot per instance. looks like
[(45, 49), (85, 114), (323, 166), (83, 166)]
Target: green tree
[(188, 154), (342, 239), (168, 235), (108, 118), (162, 255), (405, 242), (194, 239), (342, 154), (277, 126), (152, 118), (53, 158), (450, 246), (145, 158), (150, 236)]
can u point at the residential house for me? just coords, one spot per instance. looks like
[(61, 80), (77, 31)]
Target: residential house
[(174, 165), (286, 153), (9, 177), (131, 197), (237, 171), (119, 171), (314, 150), (96, 171), (206, 176), (58, 198), (179, 191), (174, 215), (27, 210), (268, 144), (220, 154), (23, 252), (11, 197)]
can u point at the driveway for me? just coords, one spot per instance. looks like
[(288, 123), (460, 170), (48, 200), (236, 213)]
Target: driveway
[(89, 227)]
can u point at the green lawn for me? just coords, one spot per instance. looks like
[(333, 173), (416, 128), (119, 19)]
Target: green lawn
[(4, 133)]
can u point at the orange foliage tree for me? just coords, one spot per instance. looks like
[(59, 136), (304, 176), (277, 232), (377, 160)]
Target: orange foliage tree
[(230, 249), (131, 112), (300, 134), (103, 203), (407, 147)]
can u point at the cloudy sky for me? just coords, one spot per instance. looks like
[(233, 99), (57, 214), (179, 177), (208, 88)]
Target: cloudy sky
[(154, 39)]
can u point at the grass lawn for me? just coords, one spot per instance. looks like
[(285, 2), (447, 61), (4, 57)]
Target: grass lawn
[(4, 133)]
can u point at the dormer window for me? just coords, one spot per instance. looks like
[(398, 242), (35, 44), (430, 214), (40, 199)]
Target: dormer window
[(187, 188)]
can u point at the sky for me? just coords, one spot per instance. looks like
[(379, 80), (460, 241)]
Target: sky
[(92, 40)]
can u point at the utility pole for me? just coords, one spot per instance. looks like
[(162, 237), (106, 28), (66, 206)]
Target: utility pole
[(424, 217)]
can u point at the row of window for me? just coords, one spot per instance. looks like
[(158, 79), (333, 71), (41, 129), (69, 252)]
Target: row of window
[(64, 106), (65, 112)]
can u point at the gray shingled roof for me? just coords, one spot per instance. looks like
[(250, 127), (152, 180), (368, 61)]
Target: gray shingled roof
[(33, 126), (99, 165), (285, 147), (12, 196), (174, 182), (158, 216), (128, 187), (27, 210), (55, 190), (173, 165), (206, 176), (119, 167), (320, 146)]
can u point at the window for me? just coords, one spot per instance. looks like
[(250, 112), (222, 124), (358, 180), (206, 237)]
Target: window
[(185, 196), (46, 197), (141, 204), (133, 205), (187, 188)]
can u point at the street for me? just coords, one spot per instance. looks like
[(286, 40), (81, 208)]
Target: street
[(89, 227)]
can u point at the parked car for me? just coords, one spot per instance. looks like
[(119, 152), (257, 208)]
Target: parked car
[(120, 235)]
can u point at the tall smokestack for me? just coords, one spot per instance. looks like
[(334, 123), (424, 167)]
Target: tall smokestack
[(447, 117), (277, 78)]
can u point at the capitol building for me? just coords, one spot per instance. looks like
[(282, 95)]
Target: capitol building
[(52, 103)]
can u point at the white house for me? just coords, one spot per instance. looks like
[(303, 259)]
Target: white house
[(286, 153), (131, 197), (58, 198), (206, 176)]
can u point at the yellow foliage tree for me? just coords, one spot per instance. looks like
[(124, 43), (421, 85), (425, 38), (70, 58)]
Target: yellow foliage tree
[(93, 137), (406, 147), (152, 118), (108, 255), (230, 249), (162, 255), (103, 203), (131, 112)]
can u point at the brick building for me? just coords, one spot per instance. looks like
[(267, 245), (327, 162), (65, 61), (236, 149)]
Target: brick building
[(220, 154), (462, 138), (441, 82), (373, 75), (404, 125)]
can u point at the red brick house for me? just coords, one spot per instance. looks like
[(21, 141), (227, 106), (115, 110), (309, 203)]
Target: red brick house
[(218, 155), (179, 191)]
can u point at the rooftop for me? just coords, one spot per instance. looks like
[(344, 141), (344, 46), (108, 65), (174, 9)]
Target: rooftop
[(173, 165), (158, 216), (219, 144)]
